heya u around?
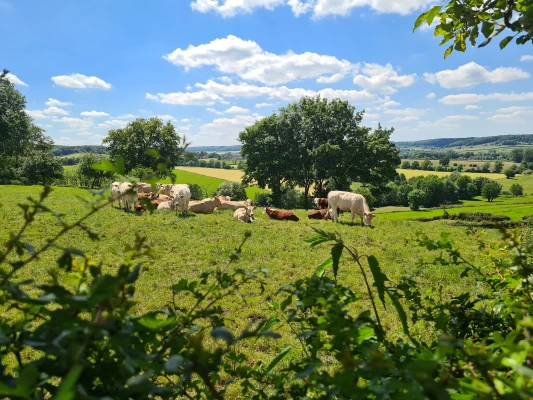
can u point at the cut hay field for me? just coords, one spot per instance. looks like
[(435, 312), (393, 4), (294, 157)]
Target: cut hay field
[(185, 247), (409, 173)]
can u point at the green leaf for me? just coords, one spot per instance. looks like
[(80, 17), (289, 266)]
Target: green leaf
[(174, 362), (487, 29), (366, 332), (134, 275), (401, 312), (222, 333), (336, 253), (153, 153), (278, 358), (107, 165), (432, 13), (448, 51), (473, 35), (379, 278), (269, 324), (316, 240), (151, 321), (24, 388), (421, 18), (505, 42), (323, 267), (66, 388)]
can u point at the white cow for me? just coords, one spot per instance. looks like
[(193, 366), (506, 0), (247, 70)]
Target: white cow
[(144, 187), (232, 205), (245, 214), (166, 206), (181, 195), (115, 194), (164, 188), (128, 193), (353, 202)]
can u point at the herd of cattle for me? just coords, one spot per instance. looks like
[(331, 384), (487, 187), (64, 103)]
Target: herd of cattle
[(177, 197)]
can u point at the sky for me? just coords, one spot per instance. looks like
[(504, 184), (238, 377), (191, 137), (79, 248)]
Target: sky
[(212, 67)]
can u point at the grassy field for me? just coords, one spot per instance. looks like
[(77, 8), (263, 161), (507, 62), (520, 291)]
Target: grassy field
[(184, 247), (466, 163)]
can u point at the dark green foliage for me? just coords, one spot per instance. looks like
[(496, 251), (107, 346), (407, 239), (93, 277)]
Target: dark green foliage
[(509, 173), (233, 189), (90, 177), (444, 161), (416, 199), (196, 192), (442, 143), (491, 190), (75, 336), (133, 142), (498, 166), (58, 150), (517, 190)]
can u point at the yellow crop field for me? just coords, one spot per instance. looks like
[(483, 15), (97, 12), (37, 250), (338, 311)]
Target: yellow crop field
[(233, 175), (409, 173)]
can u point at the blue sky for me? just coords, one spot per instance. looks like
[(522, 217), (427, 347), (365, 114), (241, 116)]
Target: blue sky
[(214, 66)]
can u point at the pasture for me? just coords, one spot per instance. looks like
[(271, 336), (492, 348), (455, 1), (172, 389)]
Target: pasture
[(184, 247)]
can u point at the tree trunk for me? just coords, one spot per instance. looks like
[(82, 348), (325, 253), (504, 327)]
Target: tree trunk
[(306, 197)]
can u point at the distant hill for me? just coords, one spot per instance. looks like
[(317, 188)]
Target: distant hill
[(501, 140), (67, 150), (211, 149)]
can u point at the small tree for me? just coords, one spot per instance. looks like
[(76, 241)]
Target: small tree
[(517, 190), (426, 164), (415, 165), (491, 190), (444, 161), (471, 191), (486, 167), (509, 173), (460, 167), (233, 189), (88, 176), (406, 165), (367, 194), (416, 199), (498, 166)]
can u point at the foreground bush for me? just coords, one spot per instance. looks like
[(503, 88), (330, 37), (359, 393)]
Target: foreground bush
[(75, 336)]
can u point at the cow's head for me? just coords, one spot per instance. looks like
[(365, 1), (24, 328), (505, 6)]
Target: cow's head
[(217, 201), (367, 218), (265, 210)]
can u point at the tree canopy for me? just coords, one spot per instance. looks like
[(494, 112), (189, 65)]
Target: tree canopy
[(464, 20), (133, 142), (316, 143)]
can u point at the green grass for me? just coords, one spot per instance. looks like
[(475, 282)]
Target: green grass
[(185, 247), (69, 167)]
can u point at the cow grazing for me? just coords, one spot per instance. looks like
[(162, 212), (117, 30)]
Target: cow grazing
[(280, 215), (143, 187), (319, 214), (245, 214), (128, 194), (181, 195), (204, 206), (115, 194), (320, 203), (353, 202), (164, 188)]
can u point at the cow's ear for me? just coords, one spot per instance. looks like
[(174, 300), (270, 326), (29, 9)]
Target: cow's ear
[(181, 197), (374, 215)]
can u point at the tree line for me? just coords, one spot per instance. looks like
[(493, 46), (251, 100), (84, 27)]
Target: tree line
[(319, 144)]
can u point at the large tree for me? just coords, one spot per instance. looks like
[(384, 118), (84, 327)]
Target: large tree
[(317, 143), (464, 20), (141, 135)]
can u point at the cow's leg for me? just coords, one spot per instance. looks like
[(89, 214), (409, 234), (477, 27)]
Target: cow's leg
[(334, 217), (353, 215), (362, 223)]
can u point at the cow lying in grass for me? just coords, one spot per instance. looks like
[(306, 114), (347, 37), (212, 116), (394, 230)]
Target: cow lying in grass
[(281, 215), (319, 214), (245, 214), (204, 206)]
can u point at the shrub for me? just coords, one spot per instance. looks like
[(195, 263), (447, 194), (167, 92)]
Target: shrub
[(196, 192), (406, 165), (140, 173), (263, 200), (235, 190), (509, 173), (416, 199), (367, 194), (291, 199), (491, 190), (517, 190)]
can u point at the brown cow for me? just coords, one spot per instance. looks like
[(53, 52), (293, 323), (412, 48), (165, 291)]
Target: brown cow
[(281, 215), (320, 203), (319, 214)]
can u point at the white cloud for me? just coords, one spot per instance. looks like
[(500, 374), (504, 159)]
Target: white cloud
[(113, 123), (512, 114), (185, 120), (245, 58), (371, 116), (466, 98), (80, 81), (56, 103), (391, 103), (55, 111), (75, 124), (431, 95), (15, 80), (526, 58), (508, 110), (94, 114), (225, 79), (380, 79), (36, 114), (407, 112), (247, 90), (184, 128), (236, 110), (166, 117), (126, 116), (202, 98), (405, 119), (459, 118), (211, 109), (441, 123), (319, 8), (85, 134), (224, 130), (259, 105), (471, 107), (473, 74)]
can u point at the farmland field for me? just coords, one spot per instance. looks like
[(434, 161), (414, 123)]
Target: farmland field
[(409, 173), (184, 247)]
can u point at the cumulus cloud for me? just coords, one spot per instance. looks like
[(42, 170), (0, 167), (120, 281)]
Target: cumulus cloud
[(467, 98), (431, 95), (471, 107), (113, 123), (247, 90), (380, 79), (459, 118), (55, 111), (513, 109), (236, 110), (80, 81), (94, 114), (318, 8), (211, 109), (165, 117), (75, 124), (56, 103), (36, 114), (472, 74), (512, 114), (185, 120), (126, 116), (225, 79), (224, 130), (405, 119), (202, 98), (407, 112), (14, 79), (526, 58), (246, 59), (259, 105)]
